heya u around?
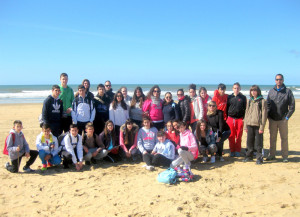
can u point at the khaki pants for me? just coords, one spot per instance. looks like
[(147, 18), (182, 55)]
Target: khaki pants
[(283, 131)]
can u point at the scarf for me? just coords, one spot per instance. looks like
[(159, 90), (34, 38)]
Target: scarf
[(155, 100), (43, 139)]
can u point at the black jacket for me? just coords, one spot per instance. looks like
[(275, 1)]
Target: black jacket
[(52, 110), (184, 107), (236, 106), (217, 123), (171, 112), (110, 95), (102, 107), (280, 104)]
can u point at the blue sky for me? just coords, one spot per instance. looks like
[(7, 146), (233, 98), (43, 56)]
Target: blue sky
[(161, 42)]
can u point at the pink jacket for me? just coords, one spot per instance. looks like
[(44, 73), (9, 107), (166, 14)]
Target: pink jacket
[(155, 112), (188, 139)]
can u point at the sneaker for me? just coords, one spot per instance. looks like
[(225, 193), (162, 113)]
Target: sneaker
[(232, 154), (247, 160), (237, 154), (204, 160), (44, 167), (222, 159), (212, 159), (27, 169), (6, 165), (88, 163), (259, 162), (151, 168), (50, 164), (93, 161), (270, 158), (285, 160)]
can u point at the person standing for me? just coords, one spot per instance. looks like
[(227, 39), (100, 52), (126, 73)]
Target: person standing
[(236, 107), (184, 106), (220, 97), (196, 107), (108, 91), (281, 106)]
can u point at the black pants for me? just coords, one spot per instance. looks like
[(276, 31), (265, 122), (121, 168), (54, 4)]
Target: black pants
[(15, 164), (159, 126), (99, 124), (254, 139), (156, 160), (56, 128), (193, 126), (81, 127), (65, 123)]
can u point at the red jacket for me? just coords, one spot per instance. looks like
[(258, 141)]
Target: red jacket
[(221, 102)]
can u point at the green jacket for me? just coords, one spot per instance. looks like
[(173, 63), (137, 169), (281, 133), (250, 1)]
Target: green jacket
[(67, 96)]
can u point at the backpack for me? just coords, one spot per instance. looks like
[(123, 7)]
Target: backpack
[(5, 151), (60, 139), (168, 176), (184, 174)]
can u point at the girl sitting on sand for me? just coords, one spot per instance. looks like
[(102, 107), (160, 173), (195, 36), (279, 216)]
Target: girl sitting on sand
[(153, 107), (172, 134), (136, 112), (128, 140), (206, 140), (147, 138)]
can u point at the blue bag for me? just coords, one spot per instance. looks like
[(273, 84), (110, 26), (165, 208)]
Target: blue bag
[(168, 176)]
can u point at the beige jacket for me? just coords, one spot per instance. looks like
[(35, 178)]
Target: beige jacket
[(256, 116)]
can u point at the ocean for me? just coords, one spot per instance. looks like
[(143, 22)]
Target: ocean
[(37, 93)]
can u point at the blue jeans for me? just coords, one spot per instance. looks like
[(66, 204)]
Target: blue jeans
[(55, 160)]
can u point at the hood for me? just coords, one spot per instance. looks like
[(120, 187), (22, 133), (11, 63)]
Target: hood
[(13, 131), (282, 88), (135, 128)]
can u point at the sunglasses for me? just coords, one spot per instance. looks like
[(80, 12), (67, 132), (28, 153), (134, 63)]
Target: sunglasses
[(212, 105), (108, 85), (168, 97), (119, 96), (156, 91), (279, 79)]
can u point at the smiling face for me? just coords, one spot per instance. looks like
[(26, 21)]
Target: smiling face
[(161, 139), (47, 133), (192, 92), (124, 92), (110, 127), (89, 131), (168, 97), (101, 91), (202, 126), (182, 128), (86, 85), (64, 81), (81, 92), (179, 94), (146, 124), (129, 126), (203, 94), (212, 107), (119, 97), (138, 93), (279, 81), (169, 127), (236, 89), (74, 131), (221, 92), (55, 93), (107, 86), (254, 93), (156, 93)]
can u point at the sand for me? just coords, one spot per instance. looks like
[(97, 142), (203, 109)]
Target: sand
[(230, 188)]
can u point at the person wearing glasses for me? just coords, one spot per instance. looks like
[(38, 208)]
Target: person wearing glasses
[(170, 108), (281, 106), (153, 107), (219, 126), (108, 91)]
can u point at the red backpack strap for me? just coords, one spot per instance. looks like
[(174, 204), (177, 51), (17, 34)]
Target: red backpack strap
[(5, 151)]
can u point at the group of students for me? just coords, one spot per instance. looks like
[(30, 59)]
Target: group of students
[(161, 132)]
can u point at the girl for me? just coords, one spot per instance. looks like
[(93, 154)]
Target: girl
[(128, 140), (102, 109), (188, 150), (146, 141), (255, 121), (108, 139), (206, 139), (153, 107), (219, 126), (136, 112), (170, 108), (205, 100), (118, 112), (127, 98), (86, 83), (172, 134), (196, 107)]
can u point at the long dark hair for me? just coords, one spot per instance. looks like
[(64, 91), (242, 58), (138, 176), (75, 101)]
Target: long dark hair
[(115, 101), (129, 135), (150, 93), (88, 81), (136, 99), (198, 130), (107, 133)]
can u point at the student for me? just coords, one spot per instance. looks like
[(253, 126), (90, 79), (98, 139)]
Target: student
[(86, 83), (184, 106), (102, 109), (255, 121), (164, 151), (172, 134), (67, 97), (118, 112), (236, 107), (221, 99), (196, 107), (205, 100), (127, 98), (52, 112), (108, 91), (219, 126), (72, 151), (92, 148), (128, 140), (108, 139), (47, 145), (153, 107), (206, 140), (188, 150), (136, 106), (175, 125), (83, 109), (170, 108), (146, 141), (17, 148)]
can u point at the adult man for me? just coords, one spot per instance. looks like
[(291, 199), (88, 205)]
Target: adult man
[(281, 106), (108, 91)]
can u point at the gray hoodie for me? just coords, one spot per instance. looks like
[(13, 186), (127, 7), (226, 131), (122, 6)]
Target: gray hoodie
[(19, 141)]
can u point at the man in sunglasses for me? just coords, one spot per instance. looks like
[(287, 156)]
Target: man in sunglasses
[(281, 106), (108, 91)]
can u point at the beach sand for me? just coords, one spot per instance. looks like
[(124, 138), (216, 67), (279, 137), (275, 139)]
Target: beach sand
[(230, 188)]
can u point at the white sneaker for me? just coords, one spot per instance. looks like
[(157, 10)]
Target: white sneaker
[(6, 165), (222, 159), (151, 168), (204, 160), (212, 159)]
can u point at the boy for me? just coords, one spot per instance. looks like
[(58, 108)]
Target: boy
[(92, 148), (72, 148), (83, 109), (236, 108), (67, 97), (221, 99), (18, 147), (52, 111)]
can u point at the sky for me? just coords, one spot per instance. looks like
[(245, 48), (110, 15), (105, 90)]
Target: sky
[(149, 42)]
